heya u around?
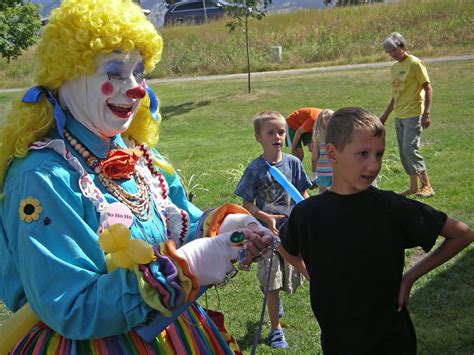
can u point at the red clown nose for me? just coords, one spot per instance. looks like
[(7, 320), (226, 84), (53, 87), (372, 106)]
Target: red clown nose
[(136, 93)]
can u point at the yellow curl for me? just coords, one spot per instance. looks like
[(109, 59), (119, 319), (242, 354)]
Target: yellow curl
[(144, 130), (77, 32), (25, 124), (80, 29)]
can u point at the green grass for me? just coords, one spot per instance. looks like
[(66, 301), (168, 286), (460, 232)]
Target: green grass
[(212, 133), (308, 37), (207, 132)]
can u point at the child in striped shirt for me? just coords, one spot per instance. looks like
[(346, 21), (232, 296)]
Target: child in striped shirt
[(322, 176)]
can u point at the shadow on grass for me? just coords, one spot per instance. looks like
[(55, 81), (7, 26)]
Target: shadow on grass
[(442, 309), (245, 342), (168, 112)]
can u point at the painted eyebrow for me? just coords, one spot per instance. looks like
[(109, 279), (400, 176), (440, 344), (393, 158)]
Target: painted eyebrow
[(140, 67), (113, 66)]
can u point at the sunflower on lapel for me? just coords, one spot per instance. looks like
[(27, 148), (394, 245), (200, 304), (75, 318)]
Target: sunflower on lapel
[(30, 209)]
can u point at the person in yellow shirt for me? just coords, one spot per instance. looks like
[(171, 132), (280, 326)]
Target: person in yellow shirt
[(411, 102)]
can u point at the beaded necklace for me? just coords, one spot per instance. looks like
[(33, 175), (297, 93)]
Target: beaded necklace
[(139, 202)]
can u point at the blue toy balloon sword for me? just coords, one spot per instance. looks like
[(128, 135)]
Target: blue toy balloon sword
[(283, 181)]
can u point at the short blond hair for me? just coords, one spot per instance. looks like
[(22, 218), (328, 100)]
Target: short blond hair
[(265, 116), (349, 119)]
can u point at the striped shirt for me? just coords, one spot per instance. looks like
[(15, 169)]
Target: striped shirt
[(323, 168)]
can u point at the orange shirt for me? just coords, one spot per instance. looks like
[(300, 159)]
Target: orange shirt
[(304, 117)]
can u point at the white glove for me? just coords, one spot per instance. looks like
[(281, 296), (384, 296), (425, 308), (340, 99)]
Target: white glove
[(314, 175), (210, 258), (236, 221)]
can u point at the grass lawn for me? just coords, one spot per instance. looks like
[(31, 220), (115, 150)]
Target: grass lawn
[(208, 136)]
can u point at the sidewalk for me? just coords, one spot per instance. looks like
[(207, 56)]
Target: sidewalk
[(308, 70), (290, 71)]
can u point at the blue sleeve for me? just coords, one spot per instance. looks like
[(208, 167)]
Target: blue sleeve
[(300, 179), (247, 186), (60, 263), (157, 323)]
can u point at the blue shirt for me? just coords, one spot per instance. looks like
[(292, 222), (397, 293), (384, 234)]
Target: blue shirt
[(55, 262), (259, 187)]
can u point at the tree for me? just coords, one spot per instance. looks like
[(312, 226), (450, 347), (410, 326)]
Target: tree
[(241, 11), (19, 26)]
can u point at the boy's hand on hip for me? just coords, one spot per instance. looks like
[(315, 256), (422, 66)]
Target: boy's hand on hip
[(404, 294)]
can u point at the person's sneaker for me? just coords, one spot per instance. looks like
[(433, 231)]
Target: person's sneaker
[(277, 340), (280, 310), (409, 192), (425, 191)]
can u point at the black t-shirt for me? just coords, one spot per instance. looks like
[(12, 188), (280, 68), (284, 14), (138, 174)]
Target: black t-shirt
[(354, 248)]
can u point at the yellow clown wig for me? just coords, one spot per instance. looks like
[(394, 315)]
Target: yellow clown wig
[(77, 32)]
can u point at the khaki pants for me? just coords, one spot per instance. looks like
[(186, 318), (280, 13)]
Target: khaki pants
[(408, 132)]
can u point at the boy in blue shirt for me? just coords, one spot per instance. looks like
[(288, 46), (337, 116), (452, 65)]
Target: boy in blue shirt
[(266, 199), (352, 239)]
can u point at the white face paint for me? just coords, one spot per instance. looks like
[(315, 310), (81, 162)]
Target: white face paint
[(106, 101)]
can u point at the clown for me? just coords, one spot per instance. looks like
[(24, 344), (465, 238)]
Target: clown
[(97, 236)]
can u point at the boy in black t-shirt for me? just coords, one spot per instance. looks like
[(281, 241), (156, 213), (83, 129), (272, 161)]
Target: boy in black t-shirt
[(352, 240)]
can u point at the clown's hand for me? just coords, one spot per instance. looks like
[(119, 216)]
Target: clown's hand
[(210, 259), (238, 221)]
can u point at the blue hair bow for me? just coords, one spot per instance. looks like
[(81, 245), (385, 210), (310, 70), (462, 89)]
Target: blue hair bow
[(33, 95), (153, 103)]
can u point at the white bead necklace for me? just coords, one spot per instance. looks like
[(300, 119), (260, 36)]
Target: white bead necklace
[(139, 202)]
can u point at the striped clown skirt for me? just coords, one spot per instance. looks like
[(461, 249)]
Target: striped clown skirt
[(193, 332)]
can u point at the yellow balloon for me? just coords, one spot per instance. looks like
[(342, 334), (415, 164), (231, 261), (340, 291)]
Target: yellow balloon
[(121, 259), (121, 251), (140, 252), (108, 262), (107, 242), (120, 234)]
